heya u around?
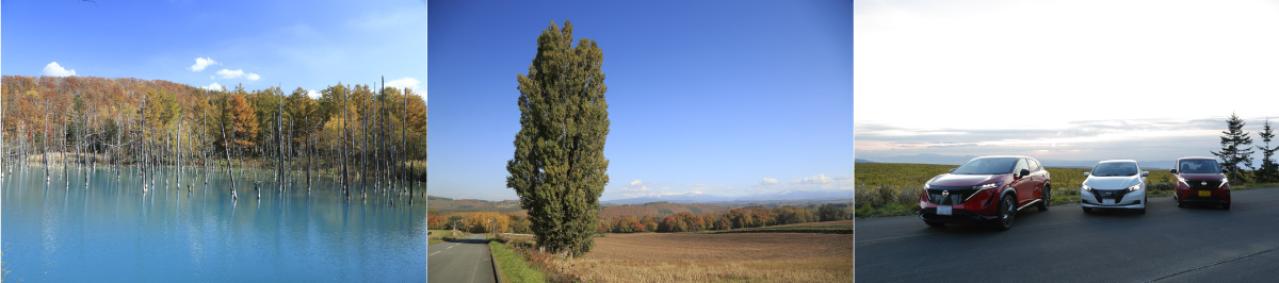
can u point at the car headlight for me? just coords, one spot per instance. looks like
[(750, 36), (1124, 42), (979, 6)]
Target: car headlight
[(1134, 188), (1182, 180), (986, 186), (1087, 188), (1224, 181)]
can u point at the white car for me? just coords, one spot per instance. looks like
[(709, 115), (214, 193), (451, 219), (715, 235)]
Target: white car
[(1117, 184)]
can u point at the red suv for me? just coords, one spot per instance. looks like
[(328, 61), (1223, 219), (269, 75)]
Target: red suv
[(988, 189), (1200, 180)]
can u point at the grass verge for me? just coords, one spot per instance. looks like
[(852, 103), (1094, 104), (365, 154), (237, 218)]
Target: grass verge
[(512, 267)]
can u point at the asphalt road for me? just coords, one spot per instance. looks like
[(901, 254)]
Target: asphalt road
[(466, 261), (1167, 244)]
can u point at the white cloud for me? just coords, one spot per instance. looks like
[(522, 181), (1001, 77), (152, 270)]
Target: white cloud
[(769, 181), (238, 73), (230, 74), (55, 70), (406, 82), (201, 63), (215, 86), (313, 94), (820, 179), (961, 65)]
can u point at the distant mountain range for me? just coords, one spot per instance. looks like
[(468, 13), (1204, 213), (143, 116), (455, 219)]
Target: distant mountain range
[(957, 160), (443, 204), (792, 196), (695, 203)]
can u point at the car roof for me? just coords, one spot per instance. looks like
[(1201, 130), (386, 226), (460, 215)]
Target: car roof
[(1118, 160), (1196, 157), (1004, 156)]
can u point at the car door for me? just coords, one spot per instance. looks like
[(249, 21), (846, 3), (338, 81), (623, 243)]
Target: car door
[(1038, 176), (1023, 185)]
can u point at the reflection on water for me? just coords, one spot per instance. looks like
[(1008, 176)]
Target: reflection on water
[(108, 229)]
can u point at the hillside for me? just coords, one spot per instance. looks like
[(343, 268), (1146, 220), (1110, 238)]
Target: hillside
[(657, 209)]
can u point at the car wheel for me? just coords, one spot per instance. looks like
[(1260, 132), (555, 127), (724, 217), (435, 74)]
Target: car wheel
[(1181, 204), (1047, 199), (1007, 212), (1225, 206), (1141, 210), (935, 224), (1087, 210)]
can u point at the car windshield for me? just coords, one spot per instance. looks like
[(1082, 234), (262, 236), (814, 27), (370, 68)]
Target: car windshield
[(1115, 169), (986, 166), (1198, 166)]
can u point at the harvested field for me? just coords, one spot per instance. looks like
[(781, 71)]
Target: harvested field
[(694, 257), (835, 227)]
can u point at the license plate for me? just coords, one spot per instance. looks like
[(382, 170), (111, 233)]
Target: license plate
[(943, 210), (1108, 201), (1204, 194)]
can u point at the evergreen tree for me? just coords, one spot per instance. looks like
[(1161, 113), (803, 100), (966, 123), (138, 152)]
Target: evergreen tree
[(1269, 170), (559, 169), (1236, 150)]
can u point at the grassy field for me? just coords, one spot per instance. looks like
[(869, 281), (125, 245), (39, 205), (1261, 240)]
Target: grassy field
[(512, 266), (437, 236), (829, 227), (702, 257)]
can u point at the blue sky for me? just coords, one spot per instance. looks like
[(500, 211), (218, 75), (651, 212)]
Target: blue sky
[(309, 44), (729, 98)]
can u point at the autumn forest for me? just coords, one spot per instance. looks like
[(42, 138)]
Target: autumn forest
[(364, 139)]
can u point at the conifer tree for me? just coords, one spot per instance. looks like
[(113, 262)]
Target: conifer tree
[(1269, 170), (1236, 150)]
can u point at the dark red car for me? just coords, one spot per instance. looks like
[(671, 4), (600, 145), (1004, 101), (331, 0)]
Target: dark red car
[(1201, 180), (988, 189)]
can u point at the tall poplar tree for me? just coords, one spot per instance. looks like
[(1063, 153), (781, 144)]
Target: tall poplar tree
[(559, 169)]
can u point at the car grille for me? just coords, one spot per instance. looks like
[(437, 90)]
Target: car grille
[(1116, 195), (957, 194), (1210, 184)]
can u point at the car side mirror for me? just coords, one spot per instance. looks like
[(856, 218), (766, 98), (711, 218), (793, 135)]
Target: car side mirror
[(1174, 171), (1087, 173), (1145, 173), (1023, 173), (1224, 171)]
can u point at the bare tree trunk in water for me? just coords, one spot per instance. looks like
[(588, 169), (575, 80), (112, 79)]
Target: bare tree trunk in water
[(66, 174), (226, 148), (345, 180), (404, 140), (279, 146), (46, 140), (143, 139), (177, 179)]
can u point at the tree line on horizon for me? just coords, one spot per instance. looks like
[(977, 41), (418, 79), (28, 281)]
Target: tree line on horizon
[(735, 218), (355, 134)]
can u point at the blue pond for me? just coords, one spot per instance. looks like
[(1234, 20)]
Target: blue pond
[(109, 230)]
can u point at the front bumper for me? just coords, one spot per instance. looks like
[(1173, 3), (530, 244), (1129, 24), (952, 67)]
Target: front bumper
[(1107, 199), (1215, 196), (957, 216)]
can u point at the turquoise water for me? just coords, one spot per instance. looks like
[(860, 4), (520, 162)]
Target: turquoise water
[(110, 231)]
